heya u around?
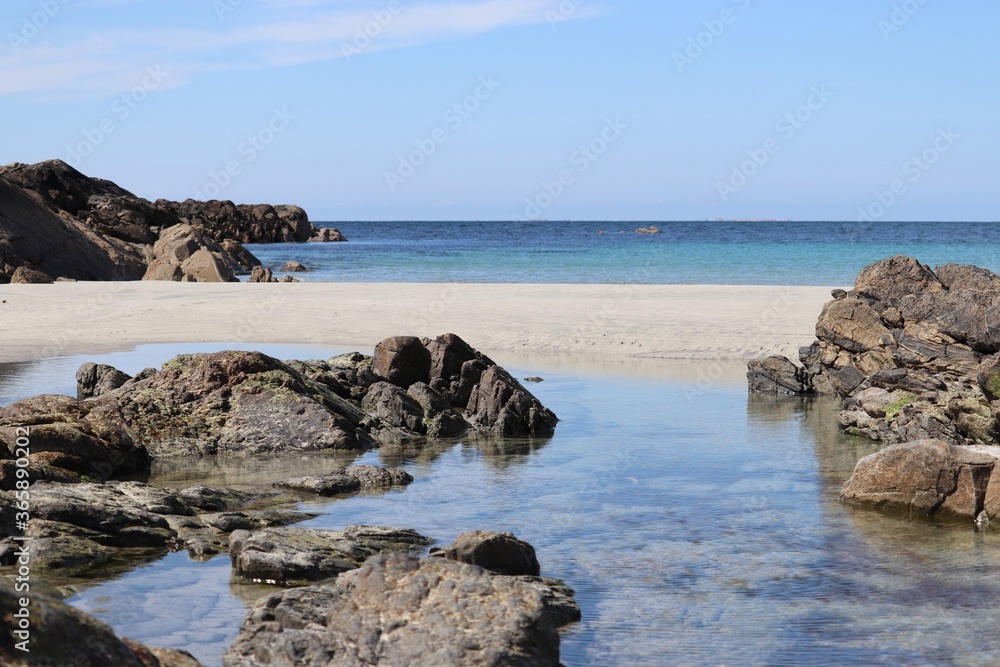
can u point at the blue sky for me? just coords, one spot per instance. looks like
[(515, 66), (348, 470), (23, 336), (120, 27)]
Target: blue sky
[(498, 109)]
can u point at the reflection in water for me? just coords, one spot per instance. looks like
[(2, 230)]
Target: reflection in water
[(697, 526)]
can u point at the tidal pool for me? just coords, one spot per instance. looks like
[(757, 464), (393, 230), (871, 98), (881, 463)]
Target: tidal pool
[(699, 526)]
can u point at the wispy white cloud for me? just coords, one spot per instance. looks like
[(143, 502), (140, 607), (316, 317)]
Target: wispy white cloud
[(270, 33)]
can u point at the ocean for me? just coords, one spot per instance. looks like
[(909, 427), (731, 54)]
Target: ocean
[(716, 253)]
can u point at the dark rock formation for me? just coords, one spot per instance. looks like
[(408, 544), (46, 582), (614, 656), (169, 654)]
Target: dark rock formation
[(401, 610), (290, 556), (402, 360), (62, 224), (294, 266), (60, 636), (912, 352), (927, 477), (498, 552), (244, 403), (98, 379), (377, 477)]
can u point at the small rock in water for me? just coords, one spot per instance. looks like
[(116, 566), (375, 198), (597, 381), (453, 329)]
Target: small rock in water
[(293, 266), (534, 378)]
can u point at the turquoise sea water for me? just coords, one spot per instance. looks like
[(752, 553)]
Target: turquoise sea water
[(698, 525), (748, 253)]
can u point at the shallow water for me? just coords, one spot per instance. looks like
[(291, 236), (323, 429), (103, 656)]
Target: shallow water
[(698, 526)]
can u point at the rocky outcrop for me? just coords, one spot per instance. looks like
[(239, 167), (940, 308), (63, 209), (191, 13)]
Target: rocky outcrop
[(294, 266), (927, 477), (912, 352), (60, 223), (245, 403), (182, 253), (24, 276), (293, 556), (60, 635), (401, 610)]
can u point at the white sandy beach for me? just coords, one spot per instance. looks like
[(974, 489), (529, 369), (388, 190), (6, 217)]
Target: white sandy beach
[(608, 322)]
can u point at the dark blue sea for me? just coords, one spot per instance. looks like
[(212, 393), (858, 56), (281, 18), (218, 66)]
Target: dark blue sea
[(721, 253)]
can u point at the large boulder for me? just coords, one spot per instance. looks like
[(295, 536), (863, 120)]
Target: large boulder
[(245, 223), (402, 360), (776, 375), (25, 276), (401, 610), (926, 477), (59, 635)]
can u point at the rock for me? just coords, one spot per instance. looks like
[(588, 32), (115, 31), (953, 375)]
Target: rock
[(838, 294), (455, 368), (441, 420), (534, 379), (161, 269), (324, 485), (776, 375), (988, 377), (25, 276), (964, 276), (375, 477), (400, 610), (261, 274), (402, 360), (245, 223), (183, 250), (891, 279), (327, 235), (394, 406), (501, 553), (649, 230), (557, 597), (232, 404), (246, 259), (290, 556), (293, 266), (85, 443), (289, 279), (98, 379), (926, 477), (499, 404), (851, 325), (61, 635), (33, 234)]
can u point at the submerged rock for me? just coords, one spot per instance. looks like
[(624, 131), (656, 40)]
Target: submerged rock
[(290, 556), (401, 610)]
